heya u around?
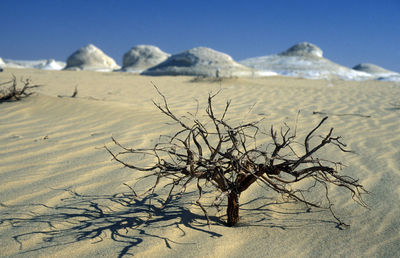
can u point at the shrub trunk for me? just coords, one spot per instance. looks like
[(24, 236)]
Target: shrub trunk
[(233, 209)]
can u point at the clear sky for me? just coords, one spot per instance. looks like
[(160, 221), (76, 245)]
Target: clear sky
[(348, 31)]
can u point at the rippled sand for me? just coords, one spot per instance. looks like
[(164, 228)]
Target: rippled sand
[(61, 194)]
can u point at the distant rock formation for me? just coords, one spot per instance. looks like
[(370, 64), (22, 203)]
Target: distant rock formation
[(200, 61), (142, 57), (304, 60), (303, 49), (372, 69), (52, 64), (2, 64), (378, 72), (11, 64), (45, 64), (90, 58)]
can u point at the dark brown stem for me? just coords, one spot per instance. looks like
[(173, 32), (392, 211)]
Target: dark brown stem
[(233, 209)]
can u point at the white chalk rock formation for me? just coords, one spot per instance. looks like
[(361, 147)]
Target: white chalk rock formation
[(10, 64), (142, 57), (46, 64), (372, 69), (379, 73), (200, 61), (90, 58), (304, 49), (51, 64), (304, 60), (2, 64)]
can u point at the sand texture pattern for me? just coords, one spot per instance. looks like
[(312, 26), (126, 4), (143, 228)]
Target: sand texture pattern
[(61, 195)]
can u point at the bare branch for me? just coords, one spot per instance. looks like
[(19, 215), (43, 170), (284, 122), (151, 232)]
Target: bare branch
[(12, 93), (228, 157)]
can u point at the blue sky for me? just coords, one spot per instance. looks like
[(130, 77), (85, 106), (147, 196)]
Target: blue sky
[(349, 32)]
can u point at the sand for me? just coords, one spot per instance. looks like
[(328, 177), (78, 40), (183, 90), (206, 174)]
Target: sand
[(61, 194)]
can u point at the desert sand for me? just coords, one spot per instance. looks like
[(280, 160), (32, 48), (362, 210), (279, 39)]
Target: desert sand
[(62, 195)]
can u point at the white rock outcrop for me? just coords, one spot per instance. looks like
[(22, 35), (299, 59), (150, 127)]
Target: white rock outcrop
[(142, 57), (200, 61), (44, 64), (51, 64), (304, 49), (90, 58), (304, 60), (372, 69), (379, 73)]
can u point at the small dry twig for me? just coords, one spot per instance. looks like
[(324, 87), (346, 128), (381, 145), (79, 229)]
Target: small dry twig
[(74, 94), (11, 92), (395, 105), (332, 114)]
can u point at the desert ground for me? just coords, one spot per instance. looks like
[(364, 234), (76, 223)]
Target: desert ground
[(62, 195)]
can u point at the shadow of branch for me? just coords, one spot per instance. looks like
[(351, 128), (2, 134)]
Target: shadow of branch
[(124, 217), (284, 215), (129, 220)]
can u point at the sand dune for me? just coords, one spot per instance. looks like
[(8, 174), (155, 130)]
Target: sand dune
[(62, 196)]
